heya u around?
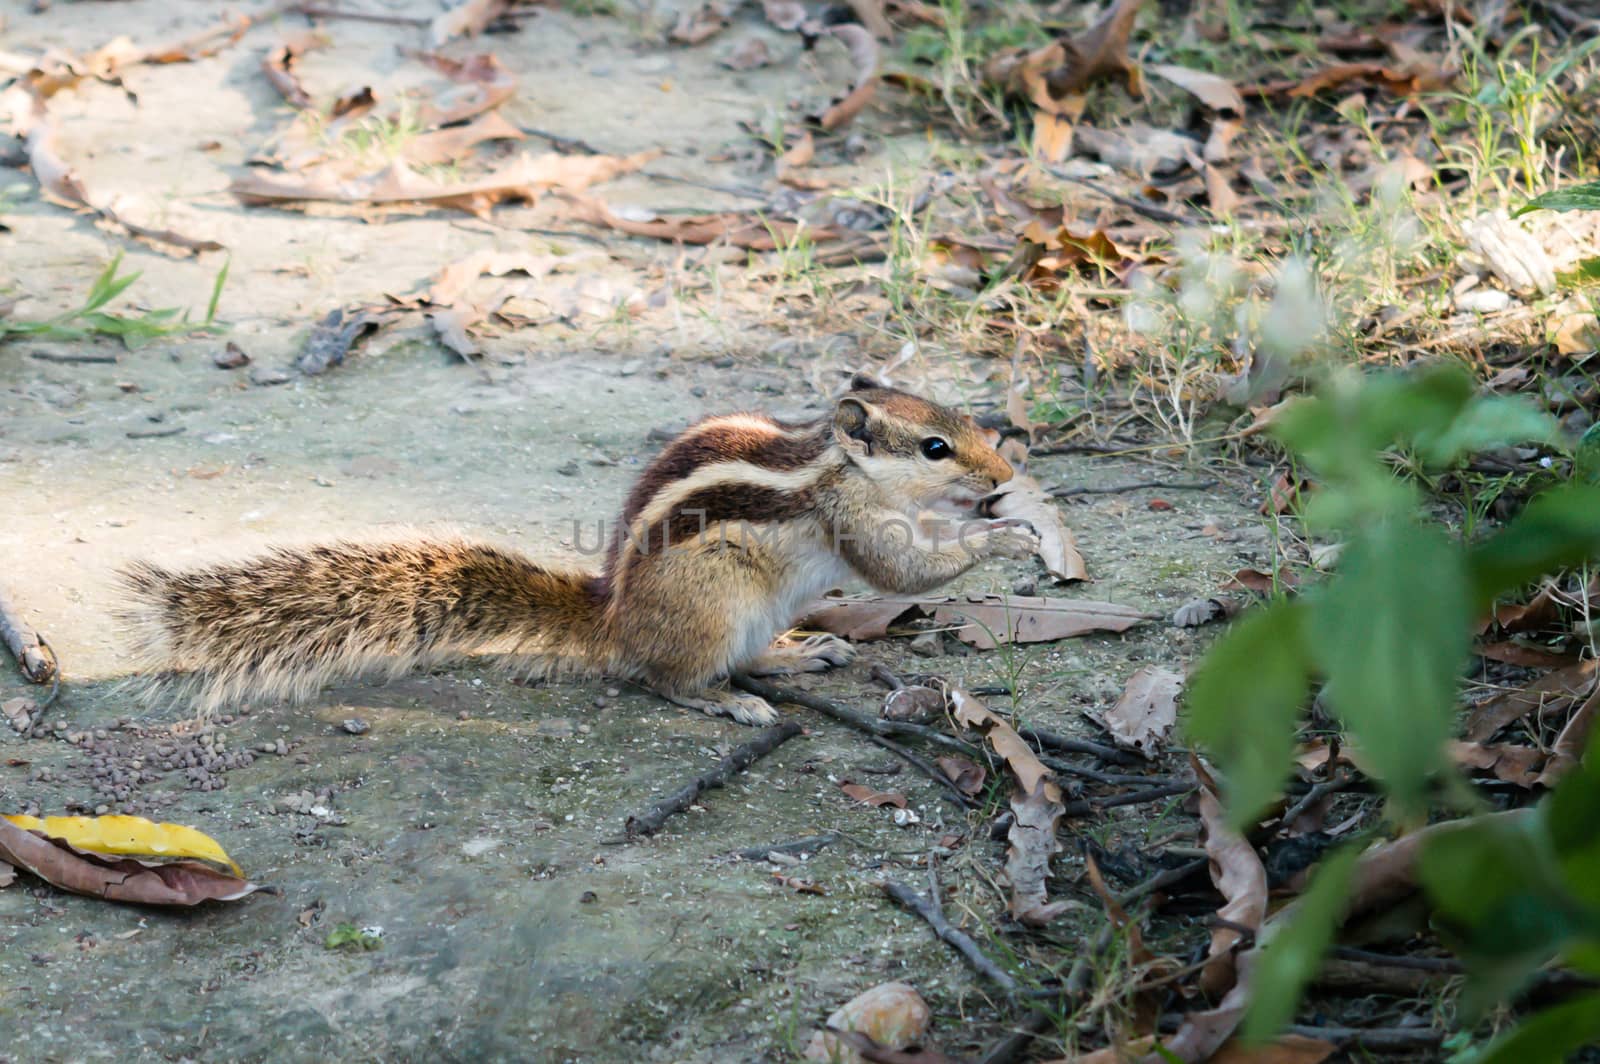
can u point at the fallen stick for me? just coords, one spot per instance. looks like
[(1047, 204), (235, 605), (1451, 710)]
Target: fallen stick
[(873, 728), (1065, 745), (809, 844), (1085, 806), (650, 820), (1063, 492), (933, 913), (34, 656)]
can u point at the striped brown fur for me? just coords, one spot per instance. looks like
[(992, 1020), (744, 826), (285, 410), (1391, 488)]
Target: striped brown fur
[(695, 584)]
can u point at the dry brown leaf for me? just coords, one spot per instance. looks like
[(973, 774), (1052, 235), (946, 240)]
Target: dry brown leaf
[(787, 15), (864, 55), (748, 54), (970, 712), (1571, 742), (858, 620), (331, 338), (737, 228), (888, 1018), (1035, 806), (487, 85), (8, 875), (1261, 583), (1514, 764), (521, 179), (121, 52), (279, 63), (1241, 879), (1022, 498), (449, 145), (1553, 692), (697, 25), (1215, 92), (989, 620), (967, 775), (871, 797), (1528, 657), (1046, 76), (1405, 76), (982, 621), (118, 879), (1538, 612), (799, 886), (1286, 1049), (467, 19), (1017, 388), (1146, 711), (60, 182), (871, 15), (1032, 839)]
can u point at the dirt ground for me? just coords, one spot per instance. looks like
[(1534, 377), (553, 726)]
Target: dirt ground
[(469, 822)]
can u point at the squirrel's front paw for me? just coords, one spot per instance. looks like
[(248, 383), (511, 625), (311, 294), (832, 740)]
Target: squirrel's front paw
[(1010, 538), (746, 709)]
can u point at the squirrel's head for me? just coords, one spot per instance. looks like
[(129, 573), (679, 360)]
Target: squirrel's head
[(920, 454)]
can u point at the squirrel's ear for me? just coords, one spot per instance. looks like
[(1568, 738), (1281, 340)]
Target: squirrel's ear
[(864, 381), (852, 425)]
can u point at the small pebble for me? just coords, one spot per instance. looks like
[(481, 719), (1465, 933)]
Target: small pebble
[(356, 726), (463, 715)]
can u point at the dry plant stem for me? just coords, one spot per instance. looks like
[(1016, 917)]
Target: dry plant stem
[(1084, 807), (1149, 210), (320, 11), (808, 844), (34, 656), (1052, 741), (1011, 1046), (650, 820), (1138, 485), (1375, 1039), (1162, 880), (933, 913), (878, 731)]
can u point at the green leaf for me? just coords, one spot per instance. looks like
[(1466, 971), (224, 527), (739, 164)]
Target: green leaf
[(1500, 901), (1491, 421), (1292, 956), (1559, 528), (1244, 701), (1552, 1034), (1571, 198), (1571, 816), (1390, 631), (1586, 273), (216, 290)]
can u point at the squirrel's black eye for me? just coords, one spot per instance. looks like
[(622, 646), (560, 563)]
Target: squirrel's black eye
[(935, 448)]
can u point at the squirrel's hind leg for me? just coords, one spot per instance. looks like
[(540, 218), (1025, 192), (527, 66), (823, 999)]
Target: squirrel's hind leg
[(816, 654)]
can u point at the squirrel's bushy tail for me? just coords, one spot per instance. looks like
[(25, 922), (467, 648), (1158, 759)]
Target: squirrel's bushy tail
[(282, 624)]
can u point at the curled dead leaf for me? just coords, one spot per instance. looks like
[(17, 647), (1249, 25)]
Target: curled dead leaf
[(278, 66), (871, 797), (982, 621), (863, 49), (967, 775), (1024, 499), (524, 178), (1551, 693), (1146, 711), (487, 85), (1241, 879), (147, 879)]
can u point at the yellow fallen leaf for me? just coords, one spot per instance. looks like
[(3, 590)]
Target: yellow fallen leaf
[(131, 836)]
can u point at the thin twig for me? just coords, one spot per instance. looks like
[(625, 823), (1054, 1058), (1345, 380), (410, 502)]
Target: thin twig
[(877, 730), (34, 656), (57, 356), (1162, 880), (932, 911), (1063, 492), (1052, 741), (1011, 1046), (1149, 210), (319, 11), (1085, 806), (1379, 1039), (650, 820), (809, 844)]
